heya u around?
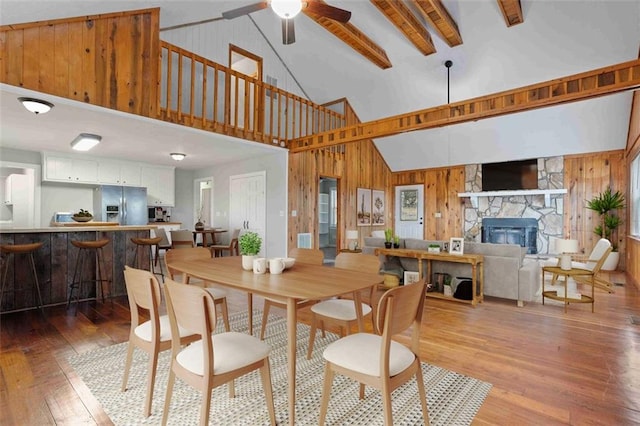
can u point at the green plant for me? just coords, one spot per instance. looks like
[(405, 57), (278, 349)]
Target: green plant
[(433, 245), (83, 213), (388, 235), (605, 204), (396, 240), (250, 243)]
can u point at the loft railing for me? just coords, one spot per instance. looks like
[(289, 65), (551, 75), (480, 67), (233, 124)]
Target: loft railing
[(200, 93)]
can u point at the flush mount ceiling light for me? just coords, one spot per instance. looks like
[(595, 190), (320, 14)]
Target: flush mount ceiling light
[(85, 141), (178, 156), (36, 106), (286, 9)]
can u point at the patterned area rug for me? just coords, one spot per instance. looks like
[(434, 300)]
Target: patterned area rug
[(453, 399)]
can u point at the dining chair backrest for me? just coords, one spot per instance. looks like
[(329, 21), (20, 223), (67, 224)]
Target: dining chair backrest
[(189, 253), (191, 308), (368, 263), (181, 238), (164, 241), (143, 291), (308, 256), (398, 309), (598, 255)]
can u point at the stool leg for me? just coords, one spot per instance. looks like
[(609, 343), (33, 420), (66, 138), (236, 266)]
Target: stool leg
[(153, 269), (73, 281), (99, 275), (4, 278), (135, 257), (35, 279)]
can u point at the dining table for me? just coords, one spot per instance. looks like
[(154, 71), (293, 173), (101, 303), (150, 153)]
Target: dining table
[(207, 231), (298, 283)]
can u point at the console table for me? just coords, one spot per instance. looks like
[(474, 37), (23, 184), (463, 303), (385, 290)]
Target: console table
[(475, 260)]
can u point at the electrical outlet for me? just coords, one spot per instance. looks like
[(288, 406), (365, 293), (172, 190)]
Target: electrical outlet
[(437, 214), (294, 213)]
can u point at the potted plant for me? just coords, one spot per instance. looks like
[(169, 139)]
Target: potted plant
[(250, 244), (396, 241), (388, 237), (605, 204), (433, 248)]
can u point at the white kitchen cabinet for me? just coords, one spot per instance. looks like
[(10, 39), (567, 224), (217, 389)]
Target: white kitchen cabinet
[(119, 173), (160, 184), (65, 169)]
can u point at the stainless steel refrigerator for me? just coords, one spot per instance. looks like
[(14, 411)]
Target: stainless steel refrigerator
[(126, 205)]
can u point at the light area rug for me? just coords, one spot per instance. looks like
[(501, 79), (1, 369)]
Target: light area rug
[(452, 399)]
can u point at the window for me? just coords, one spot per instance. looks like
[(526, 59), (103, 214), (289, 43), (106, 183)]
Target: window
[(634, 203)]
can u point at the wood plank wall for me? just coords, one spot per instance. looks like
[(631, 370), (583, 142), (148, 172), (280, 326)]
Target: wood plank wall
[(584, 177), (110, 60), (632, 151)]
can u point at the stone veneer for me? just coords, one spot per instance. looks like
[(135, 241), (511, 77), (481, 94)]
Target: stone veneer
[(550, 176)]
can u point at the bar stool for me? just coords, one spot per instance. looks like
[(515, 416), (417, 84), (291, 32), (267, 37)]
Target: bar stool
[(15, 249), (149, 242), (86, 249)]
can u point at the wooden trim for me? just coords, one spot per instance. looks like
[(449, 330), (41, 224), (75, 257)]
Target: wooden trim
[(52, 22), (435, 12), (406, 22), (511, 11), (602, 81)]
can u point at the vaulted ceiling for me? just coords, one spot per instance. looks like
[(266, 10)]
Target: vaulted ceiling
[(392, 62)]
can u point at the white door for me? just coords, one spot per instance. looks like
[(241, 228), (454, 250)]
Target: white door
[(409, 211), (248, 204)]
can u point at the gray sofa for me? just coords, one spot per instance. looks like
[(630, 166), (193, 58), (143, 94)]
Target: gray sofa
[(507, 273)]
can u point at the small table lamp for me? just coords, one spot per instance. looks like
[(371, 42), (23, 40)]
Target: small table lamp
[(565, 248), (352, 237)]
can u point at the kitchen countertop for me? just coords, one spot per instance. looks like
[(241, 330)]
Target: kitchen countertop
[(7, 230), (165, 223)]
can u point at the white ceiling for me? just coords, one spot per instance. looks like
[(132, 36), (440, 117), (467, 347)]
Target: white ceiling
[(557, 38)]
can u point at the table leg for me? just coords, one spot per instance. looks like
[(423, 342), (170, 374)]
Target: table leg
[(250, 310), (593, 294), (565, 293), (291, 357), (481, 282), (474, 273), (542, 286)]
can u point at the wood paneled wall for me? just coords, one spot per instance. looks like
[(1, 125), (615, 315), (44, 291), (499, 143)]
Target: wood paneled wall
[(633, 150), (584, 177), (441, 188), (109, 60)]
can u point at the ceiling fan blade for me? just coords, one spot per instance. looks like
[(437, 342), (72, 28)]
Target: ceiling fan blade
[(327, 11), (245, 10), (288, 31)]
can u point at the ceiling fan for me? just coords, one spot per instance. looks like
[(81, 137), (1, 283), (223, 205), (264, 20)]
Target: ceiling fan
[(288, 9)]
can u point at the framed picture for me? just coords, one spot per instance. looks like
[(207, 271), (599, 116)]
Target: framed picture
[(411, 277), (456, 245), (409, 204), (363, 200), (377, 207)]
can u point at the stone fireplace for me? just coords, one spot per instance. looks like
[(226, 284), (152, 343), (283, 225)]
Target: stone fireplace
[(520, 231)]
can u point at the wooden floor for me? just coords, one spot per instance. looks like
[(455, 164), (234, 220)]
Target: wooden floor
[(546, 367)]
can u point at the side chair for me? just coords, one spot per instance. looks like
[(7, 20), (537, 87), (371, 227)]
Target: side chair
[(215, 359), (343, 311), (152, 336), (232, 247), (375, 359), (181, 238)]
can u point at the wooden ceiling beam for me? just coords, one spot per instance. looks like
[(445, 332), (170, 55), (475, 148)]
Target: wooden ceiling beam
[(402, 17), (512, 11), (587, 85), (437, 15), (354, 38)]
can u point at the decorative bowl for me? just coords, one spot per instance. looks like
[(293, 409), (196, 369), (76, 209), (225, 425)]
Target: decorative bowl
[(289, 262), (82, 218)]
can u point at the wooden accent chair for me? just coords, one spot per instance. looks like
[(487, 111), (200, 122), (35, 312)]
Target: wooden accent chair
[(232, 247), (593, 264), (197, 253), (215, 359), (181, 238), (343, 311), (375, 359), (152, 336), (309, 256)]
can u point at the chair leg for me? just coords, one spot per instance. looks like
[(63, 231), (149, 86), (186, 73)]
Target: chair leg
[(326, 392), (127, 366), (422, 393), (265, 373), (225, 312), (151, 379), (312, 335), (386, 403), (206, 404), (167, 398), (265, 315)]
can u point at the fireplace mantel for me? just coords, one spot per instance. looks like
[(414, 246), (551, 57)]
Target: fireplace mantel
[(546, 192)]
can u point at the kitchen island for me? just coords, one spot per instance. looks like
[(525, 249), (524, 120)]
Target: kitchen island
[(56, 259)]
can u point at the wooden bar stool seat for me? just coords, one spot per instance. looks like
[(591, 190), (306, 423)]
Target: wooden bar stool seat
[(148, 242), (86, 249), (20, 249)]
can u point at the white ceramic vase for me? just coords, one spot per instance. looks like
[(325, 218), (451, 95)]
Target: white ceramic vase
[(247, 262), (611, 263)]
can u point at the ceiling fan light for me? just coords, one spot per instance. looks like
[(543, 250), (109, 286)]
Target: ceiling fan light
[(178, 156), (286, 9), (85, 141), (36, 106)]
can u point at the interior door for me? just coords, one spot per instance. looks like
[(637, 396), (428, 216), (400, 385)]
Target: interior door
[(247, 204), (409, 211)]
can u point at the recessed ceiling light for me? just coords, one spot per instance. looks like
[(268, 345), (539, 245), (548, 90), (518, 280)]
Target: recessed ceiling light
[(85, 141), (178, 156), (36, 106)]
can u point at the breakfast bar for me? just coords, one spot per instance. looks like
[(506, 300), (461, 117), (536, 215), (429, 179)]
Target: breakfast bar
[(55, 262)]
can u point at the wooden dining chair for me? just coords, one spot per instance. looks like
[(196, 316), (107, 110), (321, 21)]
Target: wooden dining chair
[(181, 238), (197, 253), (232, 247), (342, 312), (375, 359), (152, 336), (308, 256), (215, 359)]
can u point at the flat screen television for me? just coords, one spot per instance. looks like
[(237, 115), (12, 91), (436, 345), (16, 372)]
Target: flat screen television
[(510, 175)]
